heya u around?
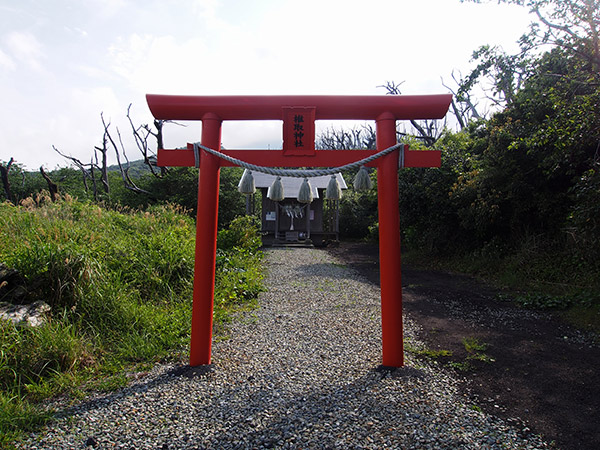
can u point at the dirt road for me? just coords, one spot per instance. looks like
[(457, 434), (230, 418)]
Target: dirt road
[(525, 366)]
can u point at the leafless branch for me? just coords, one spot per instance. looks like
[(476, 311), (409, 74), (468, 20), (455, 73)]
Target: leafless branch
[(141, 135), (84, 172), (104, 150), (428, 130), (52, 186), (127, 181)]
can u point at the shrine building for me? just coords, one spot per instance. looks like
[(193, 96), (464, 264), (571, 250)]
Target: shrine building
[(290, 222)]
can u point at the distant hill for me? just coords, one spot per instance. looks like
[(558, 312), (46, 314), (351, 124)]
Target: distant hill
[(136, 168)]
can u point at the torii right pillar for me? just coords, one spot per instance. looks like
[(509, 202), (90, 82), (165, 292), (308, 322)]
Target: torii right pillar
[(389, 254)]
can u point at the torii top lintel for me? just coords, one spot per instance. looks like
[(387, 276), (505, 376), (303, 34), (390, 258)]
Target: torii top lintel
[(327, 107)]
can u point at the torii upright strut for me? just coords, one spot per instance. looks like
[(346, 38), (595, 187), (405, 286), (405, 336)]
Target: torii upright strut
[(298, 114)]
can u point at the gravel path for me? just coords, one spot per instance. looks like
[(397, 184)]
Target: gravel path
[(301, 371)]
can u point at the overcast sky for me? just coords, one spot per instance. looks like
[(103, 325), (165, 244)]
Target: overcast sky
[(63, 62)]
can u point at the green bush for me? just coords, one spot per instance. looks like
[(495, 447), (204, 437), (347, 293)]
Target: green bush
[(242, 233), (358, 210), (238, 276)]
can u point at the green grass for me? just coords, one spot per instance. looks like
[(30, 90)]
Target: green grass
[(119, 284), (18, 415), (473, 345), (426, 352), (476, 349), (461, 366)]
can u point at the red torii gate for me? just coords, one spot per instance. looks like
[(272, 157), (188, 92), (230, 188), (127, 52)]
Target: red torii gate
[(298, 114)]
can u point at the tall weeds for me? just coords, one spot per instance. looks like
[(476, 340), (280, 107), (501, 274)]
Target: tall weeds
[(119, 284)]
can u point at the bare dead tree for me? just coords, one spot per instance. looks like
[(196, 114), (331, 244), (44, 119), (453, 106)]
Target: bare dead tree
[(141, 136), (84, 172), (429, 130), (342, 139), (87, 170), (104, 151), (93, 176), (52, 186), (127, 181), (462, 106), (5, 181)]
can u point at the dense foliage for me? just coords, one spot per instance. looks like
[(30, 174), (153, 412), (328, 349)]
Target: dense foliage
[(119, 284), (522, 186)]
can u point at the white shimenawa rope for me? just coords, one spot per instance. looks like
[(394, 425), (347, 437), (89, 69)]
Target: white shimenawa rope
[(298, 173)]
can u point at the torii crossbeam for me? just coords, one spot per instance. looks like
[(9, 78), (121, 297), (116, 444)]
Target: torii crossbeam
[(298, 114)]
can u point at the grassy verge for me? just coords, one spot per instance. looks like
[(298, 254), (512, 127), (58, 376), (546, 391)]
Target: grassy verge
[(119, 284), (549, 278)]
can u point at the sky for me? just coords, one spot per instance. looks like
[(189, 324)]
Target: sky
[(64, 62)]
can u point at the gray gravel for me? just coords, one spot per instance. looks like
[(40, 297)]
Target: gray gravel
[(301, 371)]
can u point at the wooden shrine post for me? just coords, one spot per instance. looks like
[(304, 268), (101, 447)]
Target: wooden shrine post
[(392, 340), (206, 243), (298, 114)]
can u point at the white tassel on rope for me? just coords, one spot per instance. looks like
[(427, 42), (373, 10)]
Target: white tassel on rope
[(333, 192), (305, 194), (246, 185), (362, 181), (275, 192)]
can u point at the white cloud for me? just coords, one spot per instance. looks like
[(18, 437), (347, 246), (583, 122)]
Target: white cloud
[(76, 31), (98, 99), (151, 63), (6, 61), (25, 48), (203, 9), (107, 8), (94, 72)]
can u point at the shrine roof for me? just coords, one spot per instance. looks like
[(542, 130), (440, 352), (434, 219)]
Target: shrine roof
[(291, 185)]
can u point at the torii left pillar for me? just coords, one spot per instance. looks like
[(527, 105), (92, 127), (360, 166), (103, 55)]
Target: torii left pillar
[(206, 243)]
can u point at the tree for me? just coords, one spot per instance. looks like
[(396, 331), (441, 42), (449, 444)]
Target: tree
[(502, 72), (4, 170), (52, 186), (141, 134), (87, 171), (127, 180), (103, 151), (573, 25), (463, 106), (538, 159), (356, 138)]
